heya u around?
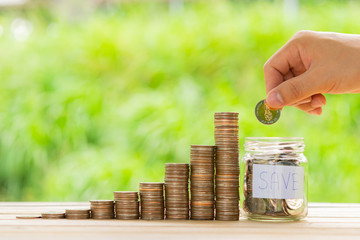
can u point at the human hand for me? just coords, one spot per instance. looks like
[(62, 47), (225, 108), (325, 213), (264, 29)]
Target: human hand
[(309, 65)]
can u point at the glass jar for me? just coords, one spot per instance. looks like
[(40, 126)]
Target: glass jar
[(275, 179)]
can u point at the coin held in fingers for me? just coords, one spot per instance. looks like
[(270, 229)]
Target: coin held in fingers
[(265, 114)]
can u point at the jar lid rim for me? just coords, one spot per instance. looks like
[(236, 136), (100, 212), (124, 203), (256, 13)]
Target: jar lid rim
[(274, 144), (276, 138)]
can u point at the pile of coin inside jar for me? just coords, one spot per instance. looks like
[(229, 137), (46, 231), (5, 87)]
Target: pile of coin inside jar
[(267, 206), (283, 157)]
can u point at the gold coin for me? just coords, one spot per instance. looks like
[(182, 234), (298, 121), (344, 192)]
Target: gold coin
[(265, 115)]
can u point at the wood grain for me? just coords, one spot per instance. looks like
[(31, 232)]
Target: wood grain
[(325, 221)]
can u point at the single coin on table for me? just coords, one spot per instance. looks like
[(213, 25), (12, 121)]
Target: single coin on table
[(265, 114)]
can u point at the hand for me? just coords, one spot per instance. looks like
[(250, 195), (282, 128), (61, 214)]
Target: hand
[(309, 65)]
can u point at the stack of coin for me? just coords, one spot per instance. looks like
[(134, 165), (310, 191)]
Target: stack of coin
[(227, 166), (102, 209), (202, 182), (126, 205), (53, 215), (152, 201), (77, 213), (177, 190)]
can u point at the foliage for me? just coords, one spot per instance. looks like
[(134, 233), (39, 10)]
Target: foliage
[(100, 104)]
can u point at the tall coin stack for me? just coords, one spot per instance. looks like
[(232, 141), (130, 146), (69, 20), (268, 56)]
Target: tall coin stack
[(177, 191), (102, 209), (152, 201), (202, 182), (126, 205), (227, 166)]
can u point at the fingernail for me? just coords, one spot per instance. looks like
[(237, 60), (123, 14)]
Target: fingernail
[(274, 99)]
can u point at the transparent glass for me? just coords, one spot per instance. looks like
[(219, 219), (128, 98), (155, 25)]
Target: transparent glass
[(275, 173)]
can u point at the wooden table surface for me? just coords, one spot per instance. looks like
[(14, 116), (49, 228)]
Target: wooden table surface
[(325, 221)]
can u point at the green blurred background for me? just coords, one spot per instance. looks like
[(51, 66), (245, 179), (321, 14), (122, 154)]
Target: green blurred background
[(97, 96)]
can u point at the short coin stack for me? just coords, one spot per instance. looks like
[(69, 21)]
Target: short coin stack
[(28, 217), (126, 205), (202, 182), (102, 209), (177, 191), (77, 213), (227, 166), (53, 215), (152, 201)]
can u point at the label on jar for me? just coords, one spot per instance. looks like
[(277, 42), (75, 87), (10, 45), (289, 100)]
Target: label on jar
[(278, 182)]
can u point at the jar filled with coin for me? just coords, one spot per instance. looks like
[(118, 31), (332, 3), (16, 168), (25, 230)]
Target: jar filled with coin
[(275, 179)]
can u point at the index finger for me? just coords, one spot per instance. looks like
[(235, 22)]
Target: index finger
[(286, 59)]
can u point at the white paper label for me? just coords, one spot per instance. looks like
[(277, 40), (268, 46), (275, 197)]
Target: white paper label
[(278, 182)]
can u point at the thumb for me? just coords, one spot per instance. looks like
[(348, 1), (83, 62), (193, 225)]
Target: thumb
[(291, 91)]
